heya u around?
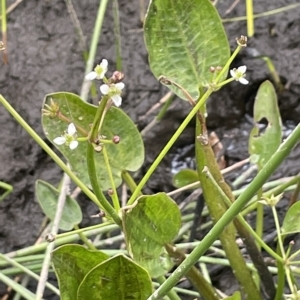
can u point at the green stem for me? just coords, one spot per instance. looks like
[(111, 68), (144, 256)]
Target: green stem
[(163, 153), (269, 168), (28, 272), (130, 181), (104, 204), (171, 294), (85, 239), (114, 195), (6, 187), (259, 216), (48, 150), (94, 43), (4, 30), (250, 22)]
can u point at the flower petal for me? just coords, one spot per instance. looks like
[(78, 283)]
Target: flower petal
[(59, 140), (104, 64), (117, 100), (104, 88), (91, 76), (71, 129), (233, 73), (120, 85), (242, 69), (73, 145), (243, 80)]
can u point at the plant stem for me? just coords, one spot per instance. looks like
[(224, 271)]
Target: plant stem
[(163, 153), (104, 204), (6, 187), (85, 239), (172, 294), (114, 195), (250, 22), (93, 48), (277, 158), (49, 151)]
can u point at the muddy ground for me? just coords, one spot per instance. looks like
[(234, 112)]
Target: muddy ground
[(45, 56)]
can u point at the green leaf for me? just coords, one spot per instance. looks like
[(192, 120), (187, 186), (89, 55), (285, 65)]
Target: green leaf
[(184, 38), (185, 177), (116, 278), (291, 222), (71, 264), (47, 196), (149, 224), (127, 155), (263, 145)]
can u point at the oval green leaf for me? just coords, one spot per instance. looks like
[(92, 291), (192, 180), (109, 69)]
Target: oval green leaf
[(185, 177), (47, 196), (127, 155), (184, 38), (71, 264), (291, 222), (116, 278), (149, 224), (262, 145)]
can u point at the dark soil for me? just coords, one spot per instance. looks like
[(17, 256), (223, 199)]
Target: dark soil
[(45, 56)]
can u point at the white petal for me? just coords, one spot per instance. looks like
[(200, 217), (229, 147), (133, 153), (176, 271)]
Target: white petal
[(104, 64), (59, 140), (104, 88), (91, 76), (117, 100), (243, 80), (120, 85), (242, 69), (233, 73), (71, 129), (73, 145)]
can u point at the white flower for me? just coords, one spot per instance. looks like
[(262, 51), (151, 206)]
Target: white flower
[(113, 91), (69, 138), (239, 74), (98, 72)]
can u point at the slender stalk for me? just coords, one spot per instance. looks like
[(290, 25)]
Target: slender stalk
[(4, 30), (49, 151), (86, 241), (129, 181), (6, 187), (93, 48), (29, 272), (55, 227), (277, 158), (250, 22), (105, 205), (172, 293), (114, 195), (264, 14), (163, 153)]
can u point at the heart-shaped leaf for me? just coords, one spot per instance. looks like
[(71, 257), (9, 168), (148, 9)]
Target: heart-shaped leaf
[(149, 224), (71, 264), (184, 38), (116, 278), (262, 145), (47, 196), (127, 155)]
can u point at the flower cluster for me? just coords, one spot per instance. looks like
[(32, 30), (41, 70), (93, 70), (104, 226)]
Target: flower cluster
[(111, 89)]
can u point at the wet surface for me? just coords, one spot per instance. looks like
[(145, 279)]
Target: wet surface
[(45, 56)]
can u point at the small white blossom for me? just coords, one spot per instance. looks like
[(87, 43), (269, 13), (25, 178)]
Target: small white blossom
[(98, 72), (114, 91), (69, 138), (239, 74)]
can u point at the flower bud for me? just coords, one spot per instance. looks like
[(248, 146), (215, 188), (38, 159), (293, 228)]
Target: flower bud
[(116, 77), (116, 139)]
